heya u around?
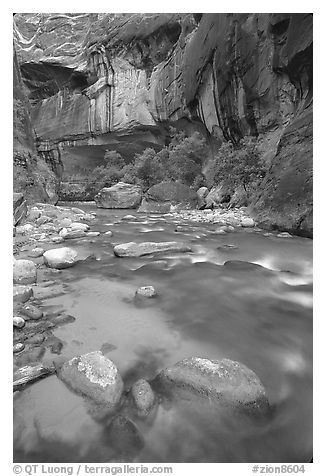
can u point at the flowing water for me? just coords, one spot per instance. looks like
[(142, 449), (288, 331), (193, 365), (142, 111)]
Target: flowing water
[(256, 309)]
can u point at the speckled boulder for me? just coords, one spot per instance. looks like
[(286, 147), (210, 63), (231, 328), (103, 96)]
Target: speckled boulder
[(225, 382), (146, 291), (94, 376), (24, 271)]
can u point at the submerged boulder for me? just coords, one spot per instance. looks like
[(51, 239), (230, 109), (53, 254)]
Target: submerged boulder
[(124, 436), (143, 396), (133, 249), (24, 271), (94, 376), (225, 382), (60, 258), (120, 195)]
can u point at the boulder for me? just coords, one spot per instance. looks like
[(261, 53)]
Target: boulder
[(24, 272), (162, 196), (93, 233), (217, 195), (34, 214), (24, 229), (247, 222), (202, 193), (143, 396), (129, 218), (120, 195), (42, 220), (78, 211), (57, 239), (18, 322), (22, 293), (66, 234), (224, 382), (18, 347), (65, 222), (32, 312), (60, 258), (146, 291), (79, 226), (94, 376), (36, 252), (284, 234), (133, 249)]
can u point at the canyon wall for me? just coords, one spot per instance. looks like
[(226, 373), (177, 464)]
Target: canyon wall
[(118, 81)]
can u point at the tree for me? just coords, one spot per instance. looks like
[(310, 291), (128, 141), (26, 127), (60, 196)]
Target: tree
[(114, 159), (148, 168), (186, 157), (237, 165)]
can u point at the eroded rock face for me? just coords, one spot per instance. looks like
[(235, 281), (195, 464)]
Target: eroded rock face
[(225, 382), (95, 377), (121, 195), (125, 78), (133, 249), (19, 208)]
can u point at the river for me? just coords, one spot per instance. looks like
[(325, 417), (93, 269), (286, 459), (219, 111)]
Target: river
[(256, 309)]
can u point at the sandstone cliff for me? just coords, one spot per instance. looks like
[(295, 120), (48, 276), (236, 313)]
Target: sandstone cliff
[(34, 177), (99, 81)]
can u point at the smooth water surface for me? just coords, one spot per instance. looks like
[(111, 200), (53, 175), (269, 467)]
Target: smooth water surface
[(256, 310)]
